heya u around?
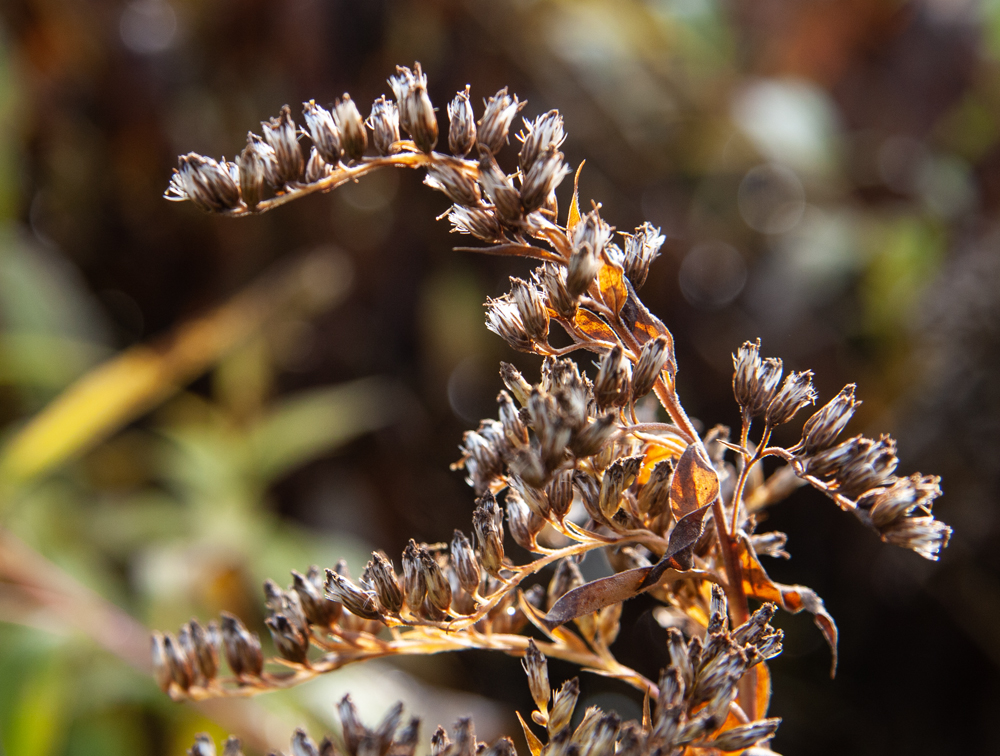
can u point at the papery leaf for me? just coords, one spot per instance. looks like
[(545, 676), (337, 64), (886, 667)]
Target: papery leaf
[(695, 484), (534, 744), (574, 206), (611, 279), (791, 598), (593, 327), (641, 322)]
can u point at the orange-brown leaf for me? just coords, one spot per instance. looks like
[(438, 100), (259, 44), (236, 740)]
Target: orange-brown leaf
[(534, 744), (574, 206), (611, 279), (695, 483), (593, 327)]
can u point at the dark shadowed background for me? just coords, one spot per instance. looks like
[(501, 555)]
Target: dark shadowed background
[(827, 175)]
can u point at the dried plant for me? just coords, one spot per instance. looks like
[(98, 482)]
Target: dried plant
[(675, 511)]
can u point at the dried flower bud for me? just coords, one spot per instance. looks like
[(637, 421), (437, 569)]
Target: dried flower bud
[(531, 307), (280, 133), (353, 730), (438, 589), (611, 384), (487, 524), (161, 667), (537, 669), (656, 353), (924, 535), (822, 429), (251, 164), (323, 131), (591, 233), (242, 648), (901, 498), (481, 223), (318, 609), (461, 124), (207, 183), (440, 742), (641, 248), (541, 135), (384, 582), (465, 738), (203, 745), (718, 617), (416, 114), (463, 559), (504, 319), (232, 747), (744, 736), (680, 656), (358, 601), (542, 179), (581, 270), (289, 640), (384, 123), (524, 523), (498, 188), (770, 544), (566, 577), (353, 137), (406, 743), (559, 494), (553, 281), (317, 168), (414, 585), (500, 747), (796, 392), (563, 704), (655, 494), (303, 745), (205, 654), (454, 181), (514, 381), (496, 120), (747, 367), (514, 429)]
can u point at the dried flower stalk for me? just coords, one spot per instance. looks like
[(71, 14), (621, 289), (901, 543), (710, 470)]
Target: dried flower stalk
[(651, 493)]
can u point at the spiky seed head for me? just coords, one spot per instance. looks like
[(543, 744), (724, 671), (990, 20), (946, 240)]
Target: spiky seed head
[(463, 559), (821, 430), (323, 131), (592, 233), (207, 183), (516, 383), (611, 383), (317, 168), (541, 180), (536, 667), (206, 650), (350, 723), (384, 123), (487, 524), (479, 222), (497, 118), (553, 280), (416, 114), (524, 524), (560, 494), (796, 392), (924, 535), (385, 583), (454, 181), (744, 736), (504, 319), (414, 583), (318, 609), (540, 135), (513, 427), (461, 124), (563, 705), (901, 498), (357, 601), (251, 167), (351, 127), (438, 589), (653, 358), (281, 134), (641, 248), (242, 648), (531, 306), (498, 188), (289, 640)]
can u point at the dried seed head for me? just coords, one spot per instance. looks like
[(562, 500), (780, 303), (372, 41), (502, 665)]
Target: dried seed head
[(514, 429), (496, 120), (232, 747), (318, 610), (317, 168), (535, 498), (303, 745), (504, 319), (416, 114), (901, 498), (353, 730), (524, 523), (323, 131), (487, 524), (591, 233), (566, 577), (924, 535), (454, 181), (384, 123), (440, 743), (531, 307), (611, 384), (747, 366), (481, 455), (821, 430), (553, 281), (542, 179), (206, 648), (498, 188), (242, 648), (559, 494), (563, 704), (463, 559), (161, 667), (358, 601), (280, 133), (772, 544), (500, 747), (289, 640), (796, 392), (251, 166), (203, 745), (465, 738), (680, 655), (353, 137), (744, 736), (544, 133), (655, 494), (414, 584), (581, 270), (481, 223), (406, 743), (384, 583), (514, 381), (718, 617), (461, 124), (438, 589), (537, 669), (858, 465), (641, 248), (656, 354), (207, 183)]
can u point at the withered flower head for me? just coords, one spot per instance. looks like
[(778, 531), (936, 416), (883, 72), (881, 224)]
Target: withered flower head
[(541, 180), (524, 523), (655, 355), (453, 179), (498, 188), (822, 429), (504, 319), (611, 383), (544, 133), (463, 559), (461, 124), (563, 704), (438, 590), (383, 581), (353, 137), (251, 163), (537, 668), (323, 131), (479, 222), (796, 392), (281, 134), (487, 524), (358, 601), (416, 114), (384, 123), (497, 118), (318, 609), (207, 183), (553, 282), (641, 248), (414, 583), (242, 648), (290, 641), (531, 307), (317, 168)]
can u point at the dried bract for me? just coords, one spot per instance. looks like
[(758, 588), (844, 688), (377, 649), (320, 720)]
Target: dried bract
[(384, 123), (353, 137), (416, 114), (282, 136), (496, 120), (323, 131), (207, 183), (461, 124)]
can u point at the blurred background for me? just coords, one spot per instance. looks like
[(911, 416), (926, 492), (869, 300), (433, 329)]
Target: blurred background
[(228, 400)]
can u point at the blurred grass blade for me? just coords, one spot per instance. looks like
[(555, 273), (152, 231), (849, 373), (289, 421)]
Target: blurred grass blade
[(137, 380), (309, 424)]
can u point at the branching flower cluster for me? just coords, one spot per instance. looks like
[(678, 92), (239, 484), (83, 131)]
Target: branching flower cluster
[(567, 458)]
